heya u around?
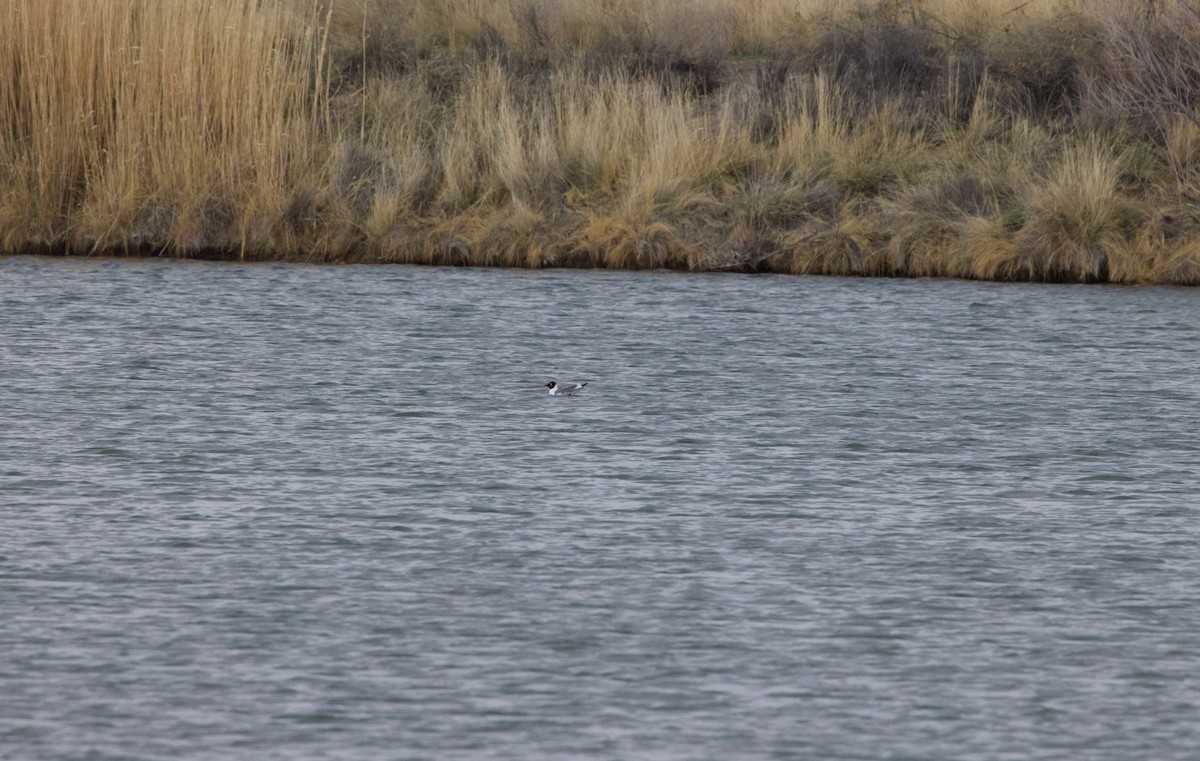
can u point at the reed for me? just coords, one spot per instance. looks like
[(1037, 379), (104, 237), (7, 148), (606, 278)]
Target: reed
[(137, 123), (988, 139)]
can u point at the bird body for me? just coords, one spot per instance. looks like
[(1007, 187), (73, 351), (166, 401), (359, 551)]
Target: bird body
[(557, 390)]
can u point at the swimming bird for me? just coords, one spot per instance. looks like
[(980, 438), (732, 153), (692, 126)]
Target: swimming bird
[(557, 390)]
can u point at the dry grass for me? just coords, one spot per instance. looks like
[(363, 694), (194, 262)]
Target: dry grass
[(1076, 219), (692, 27), (987, 139), (128, 126)]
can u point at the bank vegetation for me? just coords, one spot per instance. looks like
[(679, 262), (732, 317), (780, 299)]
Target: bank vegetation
[(994, 139)]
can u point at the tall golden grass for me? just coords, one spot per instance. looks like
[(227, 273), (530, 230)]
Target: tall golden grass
[(991, 139), (136, 124)]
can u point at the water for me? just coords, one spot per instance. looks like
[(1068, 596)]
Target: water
[(290, 512)]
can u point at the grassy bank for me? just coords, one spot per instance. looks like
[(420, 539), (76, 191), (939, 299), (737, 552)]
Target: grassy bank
[(991, 139)]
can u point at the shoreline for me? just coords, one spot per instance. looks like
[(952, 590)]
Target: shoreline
[(232, 258), (1029, 142)]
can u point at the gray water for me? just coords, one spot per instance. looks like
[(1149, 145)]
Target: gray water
[(292, 512)]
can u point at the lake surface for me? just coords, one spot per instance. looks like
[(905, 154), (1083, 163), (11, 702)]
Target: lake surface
[(293, 512)]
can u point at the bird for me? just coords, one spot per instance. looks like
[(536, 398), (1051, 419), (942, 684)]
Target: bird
[(557, 390)]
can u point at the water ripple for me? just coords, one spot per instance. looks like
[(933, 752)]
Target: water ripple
[(308, 512)]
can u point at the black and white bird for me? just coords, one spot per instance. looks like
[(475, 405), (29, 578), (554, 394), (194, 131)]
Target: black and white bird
[(557, 390)]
